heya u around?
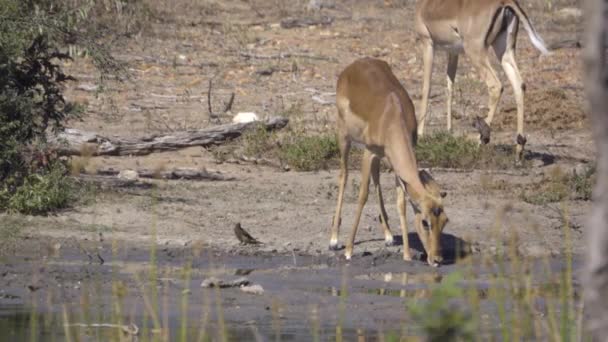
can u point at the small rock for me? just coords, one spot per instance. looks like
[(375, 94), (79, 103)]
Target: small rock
[(315, 5), (245, 117), (253, 289), (580, 168), (534, 251), (128, 175), (87, 87), (570, 12)]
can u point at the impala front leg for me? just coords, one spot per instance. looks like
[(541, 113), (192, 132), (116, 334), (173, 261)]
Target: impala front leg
[(363, 192), (344, 145), (401, 206), (375, 171)]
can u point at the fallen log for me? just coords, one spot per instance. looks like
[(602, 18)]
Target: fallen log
[(289, 23), (77, 142), (177, 173)]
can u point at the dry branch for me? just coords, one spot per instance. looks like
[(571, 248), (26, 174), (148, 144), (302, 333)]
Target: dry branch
[(177, 173), (288, 23), (77, 142), (283, 55), (110, 182), (566, 44)]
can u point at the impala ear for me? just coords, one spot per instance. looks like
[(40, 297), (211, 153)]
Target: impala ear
[(443, 194)]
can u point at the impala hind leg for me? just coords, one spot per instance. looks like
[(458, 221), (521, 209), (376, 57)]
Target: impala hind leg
[(480, 59), (366, 164), (375, 171), (451, 77), (504, 46), (401, 207), (344, 145)]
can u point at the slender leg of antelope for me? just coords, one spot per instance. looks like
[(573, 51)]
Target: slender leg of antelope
[(375, 171), (508, 64), (366, 163), (451, 76), (481, 61), (427, 59), (422, 233), (505, 51), (344, 145), (403, 222)]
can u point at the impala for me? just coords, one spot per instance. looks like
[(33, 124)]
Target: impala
[(475, 27), (375, 111)]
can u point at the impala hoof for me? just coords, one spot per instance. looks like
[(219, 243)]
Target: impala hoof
[(335, 247), (521, 140), (390, 243), (484, 130)]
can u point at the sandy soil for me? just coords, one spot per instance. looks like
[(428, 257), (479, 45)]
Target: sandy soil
[(173, 59)]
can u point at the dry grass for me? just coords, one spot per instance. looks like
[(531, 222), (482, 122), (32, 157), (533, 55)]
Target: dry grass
[(559, 186)]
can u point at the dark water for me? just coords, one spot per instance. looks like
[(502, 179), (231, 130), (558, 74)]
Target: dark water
[(305, 298), (19, 324)]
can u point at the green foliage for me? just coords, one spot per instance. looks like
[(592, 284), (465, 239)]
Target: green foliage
[(445, 150), (440, 318), (309, 153), (582, 184), (31, 103), (258, 141), (40, 192)]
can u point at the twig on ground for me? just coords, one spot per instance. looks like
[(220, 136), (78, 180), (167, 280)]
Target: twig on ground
[(209, 107), (177, 173), (228, 106), (284, 55), (130, 329)]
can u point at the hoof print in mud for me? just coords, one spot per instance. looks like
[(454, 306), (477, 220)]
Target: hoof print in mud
[(484, 130)]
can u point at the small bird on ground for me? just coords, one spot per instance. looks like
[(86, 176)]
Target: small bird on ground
[(244, 237)]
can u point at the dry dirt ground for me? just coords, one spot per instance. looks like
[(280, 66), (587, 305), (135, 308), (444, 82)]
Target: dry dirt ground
[(174, 57), (189, 43)]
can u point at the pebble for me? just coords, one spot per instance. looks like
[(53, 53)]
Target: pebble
[(253, 289)]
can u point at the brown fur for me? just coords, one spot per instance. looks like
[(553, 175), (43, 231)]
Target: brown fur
[(376, 111), (475, 27)]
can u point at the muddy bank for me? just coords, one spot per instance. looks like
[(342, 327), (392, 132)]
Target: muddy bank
[(304, 296)]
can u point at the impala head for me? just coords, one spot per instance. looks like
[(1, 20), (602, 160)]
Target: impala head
[(430, 219)]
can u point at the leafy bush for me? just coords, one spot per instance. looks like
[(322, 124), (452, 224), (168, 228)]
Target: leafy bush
[(40, 192), (31, 101), (582, 184), (308, 153), (440, 317), (443, 149), (258, 141)]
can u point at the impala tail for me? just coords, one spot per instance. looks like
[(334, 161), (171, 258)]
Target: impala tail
[(536, 40)]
